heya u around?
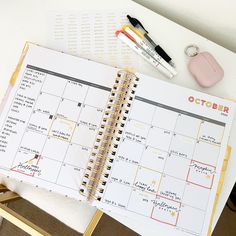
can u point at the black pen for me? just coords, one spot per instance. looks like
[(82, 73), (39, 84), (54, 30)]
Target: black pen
[(137, 24)]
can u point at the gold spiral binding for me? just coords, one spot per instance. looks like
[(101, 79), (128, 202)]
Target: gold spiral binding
[(109, 135)]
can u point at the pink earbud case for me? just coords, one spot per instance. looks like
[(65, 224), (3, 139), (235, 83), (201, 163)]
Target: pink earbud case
[(205, 69)]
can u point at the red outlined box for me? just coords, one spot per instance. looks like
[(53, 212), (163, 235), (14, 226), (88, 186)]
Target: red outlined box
[(165, 211), (201, 174), (28, 167)]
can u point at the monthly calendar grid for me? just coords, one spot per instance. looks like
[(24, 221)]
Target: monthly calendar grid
[(145, 144), (163, 174), (153, 154), (63, 161), (181, 202), (75, 123)]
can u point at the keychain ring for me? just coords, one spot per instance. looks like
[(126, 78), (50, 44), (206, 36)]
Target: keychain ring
[(191, 50)]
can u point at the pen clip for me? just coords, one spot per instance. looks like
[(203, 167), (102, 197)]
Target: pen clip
[(135, 22)]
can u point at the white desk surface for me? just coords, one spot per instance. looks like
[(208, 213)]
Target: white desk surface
[(26, 20), (214, 20)]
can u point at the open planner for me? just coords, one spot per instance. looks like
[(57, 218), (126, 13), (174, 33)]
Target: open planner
[(122, 141)]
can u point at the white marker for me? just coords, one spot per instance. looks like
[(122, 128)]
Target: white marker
[(138, 49), (149, 50)]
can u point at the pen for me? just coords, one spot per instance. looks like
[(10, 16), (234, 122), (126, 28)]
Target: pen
[(133, 33), (129, 41), (137, 24)]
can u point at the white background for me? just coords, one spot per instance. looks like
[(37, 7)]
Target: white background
[(213, 19), (27, 20)]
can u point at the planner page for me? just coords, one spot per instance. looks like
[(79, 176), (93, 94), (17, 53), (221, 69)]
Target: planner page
[(51, 117), (169, 159)]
